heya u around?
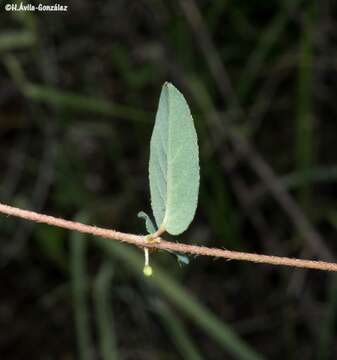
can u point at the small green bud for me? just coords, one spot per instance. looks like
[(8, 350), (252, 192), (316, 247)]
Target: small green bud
[(147, 270)]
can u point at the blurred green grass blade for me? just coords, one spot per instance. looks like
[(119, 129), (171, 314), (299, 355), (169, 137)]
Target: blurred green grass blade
[(104, 318), (16, 40), (123, 64), (267, 40), (80, 286), (333, 218), (328, 329), (50, 241), (256, 60), (27, 19), (296, 179), (67, 99), (312, 175), (15, 71), (328, 326), (214, 13), (177, 331), (304, 123), (219, 208), (183, 300)]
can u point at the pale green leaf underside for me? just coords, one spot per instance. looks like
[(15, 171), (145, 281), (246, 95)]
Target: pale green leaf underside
[(174, 163)]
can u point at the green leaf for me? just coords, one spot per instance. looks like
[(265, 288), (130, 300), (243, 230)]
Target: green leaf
[(150, 227), (174, 163)]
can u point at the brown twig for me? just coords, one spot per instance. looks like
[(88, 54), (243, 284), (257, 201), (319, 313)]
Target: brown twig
[(141, 241)]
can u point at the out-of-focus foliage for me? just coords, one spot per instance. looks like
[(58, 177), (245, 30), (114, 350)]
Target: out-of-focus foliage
[(78, 96)]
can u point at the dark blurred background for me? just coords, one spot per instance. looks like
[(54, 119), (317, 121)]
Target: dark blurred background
[(78, 96)]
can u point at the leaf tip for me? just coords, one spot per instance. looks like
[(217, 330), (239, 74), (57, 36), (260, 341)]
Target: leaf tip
[(169, 85)]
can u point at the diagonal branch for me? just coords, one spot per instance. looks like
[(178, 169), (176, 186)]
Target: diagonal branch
[(141, 241)]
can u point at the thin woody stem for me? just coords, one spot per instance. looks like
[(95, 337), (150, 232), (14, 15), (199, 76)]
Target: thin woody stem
[(142, 241)]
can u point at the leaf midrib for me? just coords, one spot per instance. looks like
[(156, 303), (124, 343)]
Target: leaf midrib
[(168, 168)]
